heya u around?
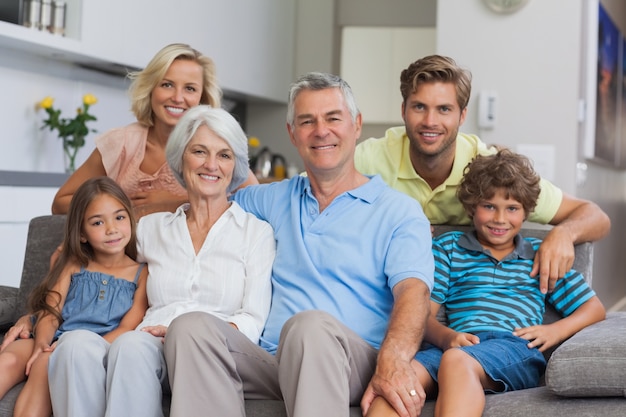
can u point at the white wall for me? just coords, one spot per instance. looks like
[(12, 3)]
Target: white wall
[(28, 79), (19, 205), (533, 59)]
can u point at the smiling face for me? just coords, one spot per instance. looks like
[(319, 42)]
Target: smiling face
[(432, 118), (323, 130), (180, 89), (208, 164), (497, 220), (106, 226)]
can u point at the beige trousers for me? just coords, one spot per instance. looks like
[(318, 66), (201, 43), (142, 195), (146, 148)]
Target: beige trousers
[(320, 369)]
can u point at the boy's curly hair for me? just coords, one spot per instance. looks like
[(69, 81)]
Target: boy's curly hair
[(507, 170)]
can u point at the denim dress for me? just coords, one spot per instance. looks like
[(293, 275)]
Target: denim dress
[(96, 301)]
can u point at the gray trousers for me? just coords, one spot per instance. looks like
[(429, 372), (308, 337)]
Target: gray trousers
[(320, 369), (90, 377)]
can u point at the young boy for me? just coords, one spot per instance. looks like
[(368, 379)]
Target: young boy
[(494, 340)]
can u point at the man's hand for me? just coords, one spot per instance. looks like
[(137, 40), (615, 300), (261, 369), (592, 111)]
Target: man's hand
[(21, 330), (394, 378), (399, 385), (554, 258)]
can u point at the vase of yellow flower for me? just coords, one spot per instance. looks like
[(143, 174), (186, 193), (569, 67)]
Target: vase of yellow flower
[(71, 131)]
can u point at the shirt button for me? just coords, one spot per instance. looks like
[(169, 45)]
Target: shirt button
[(105, 282)]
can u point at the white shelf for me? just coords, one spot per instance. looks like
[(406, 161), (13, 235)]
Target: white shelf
[(38, 42), (48, 45)]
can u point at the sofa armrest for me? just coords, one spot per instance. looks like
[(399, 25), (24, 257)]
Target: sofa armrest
[(592, 363), (8, 306)]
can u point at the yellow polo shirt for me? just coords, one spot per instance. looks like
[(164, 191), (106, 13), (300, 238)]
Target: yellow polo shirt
[(389, 157)]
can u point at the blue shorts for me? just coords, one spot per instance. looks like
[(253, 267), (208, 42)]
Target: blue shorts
[(504, 357)]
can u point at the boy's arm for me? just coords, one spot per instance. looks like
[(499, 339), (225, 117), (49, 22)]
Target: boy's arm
[(441, 335), (549, 335)]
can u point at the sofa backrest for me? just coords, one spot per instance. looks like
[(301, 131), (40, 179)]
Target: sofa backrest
[(45, 233)]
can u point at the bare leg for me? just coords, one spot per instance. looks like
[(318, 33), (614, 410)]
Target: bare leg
[(462, 382), (381, 408), (34, 399), (13, 361)]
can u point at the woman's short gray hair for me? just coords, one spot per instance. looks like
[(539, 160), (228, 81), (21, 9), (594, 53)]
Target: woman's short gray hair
[(220, 122)]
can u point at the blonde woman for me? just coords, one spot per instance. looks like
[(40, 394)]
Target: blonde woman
[(177, 78)]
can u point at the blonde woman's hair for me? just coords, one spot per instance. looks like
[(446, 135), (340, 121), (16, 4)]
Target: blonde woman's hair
[(143, 82)]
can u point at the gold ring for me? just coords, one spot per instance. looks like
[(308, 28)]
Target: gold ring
[(412, 393)]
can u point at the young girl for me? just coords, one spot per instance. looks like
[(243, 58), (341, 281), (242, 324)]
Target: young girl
[(94, 285)]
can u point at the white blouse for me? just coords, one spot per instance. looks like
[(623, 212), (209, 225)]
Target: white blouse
[(229, 277)]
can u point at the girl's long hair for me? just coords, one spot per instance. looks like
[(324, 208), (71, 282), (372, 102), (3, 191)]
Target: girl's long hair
[(43, 299)]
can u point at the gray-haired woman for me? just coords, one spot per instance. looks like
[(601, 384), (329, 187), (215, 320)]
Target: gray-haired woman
[(209, 255)]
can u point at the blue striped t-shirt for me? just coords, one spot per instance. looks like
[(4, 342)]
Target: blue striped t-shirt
[(480, 293)]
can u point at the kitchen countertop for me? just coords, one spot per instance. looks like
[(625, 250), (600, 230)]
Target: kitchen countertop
[(32, 179)]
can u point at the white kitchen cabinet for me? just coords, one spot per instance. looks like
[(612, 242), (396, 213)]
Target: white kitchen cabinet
[(251, 41), (20, 204), (372, 59)]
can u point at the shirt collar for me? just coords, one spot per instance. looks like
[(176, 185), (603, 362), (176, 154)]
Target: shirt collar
[(523, 248), (367, 192), (234, 210)]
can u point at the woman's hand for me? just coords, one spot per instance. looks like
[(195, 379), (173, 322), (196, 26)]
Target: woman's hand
[(146, 202), (157, 331)]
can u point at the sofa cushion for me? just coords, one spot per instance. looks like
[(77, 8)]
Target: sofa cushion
[(592, 363)]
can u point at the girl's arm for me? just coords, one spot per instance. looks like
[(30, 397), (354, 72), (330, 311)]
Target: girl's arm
[(135, 314), (549, 335), (47, 323)]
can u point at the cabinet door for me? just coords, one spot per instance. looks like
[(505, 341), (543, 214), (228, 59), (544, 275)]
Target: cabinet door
[(372, 59), (251, 41)]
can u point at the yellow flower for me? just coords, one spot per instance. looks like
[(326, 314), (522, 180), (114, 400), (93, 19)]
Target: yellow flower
[(89, 99), (71, 131), (46, 103), (254, 142)]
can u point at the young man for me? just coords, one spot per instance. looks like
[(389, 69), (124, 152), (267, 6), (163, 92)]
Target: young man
[(495, 338), (351, 283), (425, 159)]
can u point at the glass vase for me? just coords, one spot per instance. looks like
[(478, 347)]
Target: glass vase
[(69, 157)]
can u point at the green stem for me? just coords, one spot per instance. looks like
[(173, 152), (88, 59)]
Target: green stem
[(71, 154)]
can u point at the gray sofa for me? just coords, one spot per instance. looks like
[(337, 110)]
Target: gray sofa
[(586, 375)]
